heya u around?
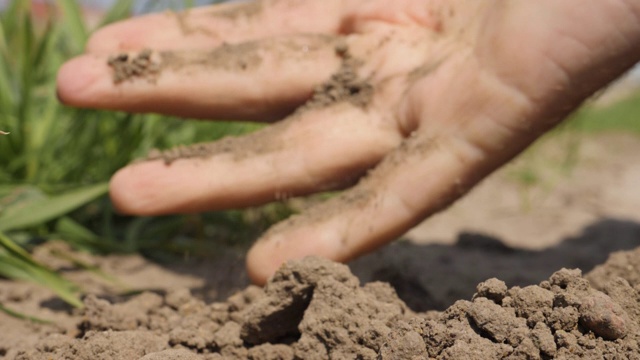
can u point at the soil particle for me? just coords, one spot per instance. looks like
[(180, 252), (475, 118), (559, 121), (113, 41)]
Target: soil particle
[(492, 289), (127, 67), (238, 147), (345, 85)]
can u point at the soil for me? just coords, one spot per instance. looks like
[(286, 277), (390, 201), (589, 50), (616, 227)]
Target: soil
[(127, 66), (487, 290), (344, 85), (317, 309)]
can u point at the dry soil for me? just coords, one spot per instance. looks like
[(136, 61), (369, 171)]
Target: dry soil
[(483, 280)]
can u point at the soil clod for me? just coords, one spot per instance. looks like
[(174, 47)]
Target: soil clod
[(127, 67)]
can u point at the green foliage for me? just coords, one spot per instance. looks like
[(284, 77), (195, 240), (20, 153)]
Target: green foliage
[(52, 144), (40, 209), (56, 160), (16, 263)]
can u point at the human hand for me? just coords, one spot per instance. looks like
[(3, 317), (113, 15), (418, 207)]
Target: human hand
[(428, 98)]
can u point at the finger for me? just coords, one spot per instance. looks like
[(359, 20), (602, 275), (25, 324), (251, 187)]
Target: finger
[(421, 177), (470, 132), (311, 151), (205, 27), (251, 81)]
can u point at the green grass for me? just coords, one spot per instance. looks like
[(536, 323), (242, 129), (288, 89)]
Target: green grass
[(621, 116), (56, 160)]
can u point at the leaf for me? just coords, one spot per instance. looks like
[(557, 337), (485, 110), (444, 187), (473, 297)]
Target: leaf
[(43, 210), (18, 195), (17, 263), (82, 238), (22, 316)]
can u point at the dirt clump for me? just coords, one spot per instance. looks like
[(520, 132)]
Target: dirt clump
[(127, 67), (316, 309)]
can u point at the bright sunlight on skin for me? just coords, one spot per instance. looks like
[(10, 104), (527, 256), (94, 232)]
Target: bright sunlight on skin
[(456, 89)]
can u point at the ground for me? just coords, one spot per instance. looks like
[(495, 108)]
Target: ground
[(570, 203)]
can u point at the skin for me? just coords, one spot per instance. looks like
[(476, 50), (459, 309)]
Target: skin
[(460, 87)]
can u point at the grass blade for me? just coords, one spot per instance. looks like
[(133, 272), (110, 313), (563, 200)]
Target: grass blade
[(43, 210), (26, 268), (82, 238), (22, 316), (74, 22)]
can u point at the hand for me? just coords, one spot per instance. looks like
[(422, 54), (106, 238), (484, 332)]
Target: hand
[(427, 98)]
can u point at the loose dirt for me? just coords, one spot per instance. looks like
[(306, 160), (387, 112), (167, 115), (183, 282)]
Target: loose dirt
[(343, 86), (316, 309), (127, 67)]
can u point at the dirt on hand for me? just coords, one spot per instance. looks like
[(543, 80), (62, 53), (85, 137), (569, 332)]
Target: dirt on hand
[(127, 67), (316, 309), (345, 85)]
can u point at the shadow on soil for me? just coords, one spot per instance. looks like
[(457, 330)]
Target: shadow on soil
[(432, 277)]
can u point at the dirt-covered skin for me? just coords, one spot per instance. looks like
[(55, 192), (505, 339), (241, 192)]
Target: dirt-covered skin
[(316, 309), (419, 100)]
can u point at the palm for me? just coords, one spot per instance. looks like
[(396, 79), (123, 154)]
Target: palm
[(445, 92)]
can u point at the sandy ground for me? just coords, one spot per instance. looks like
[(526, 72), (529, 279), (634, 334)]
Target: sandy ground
[(574, 214)]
